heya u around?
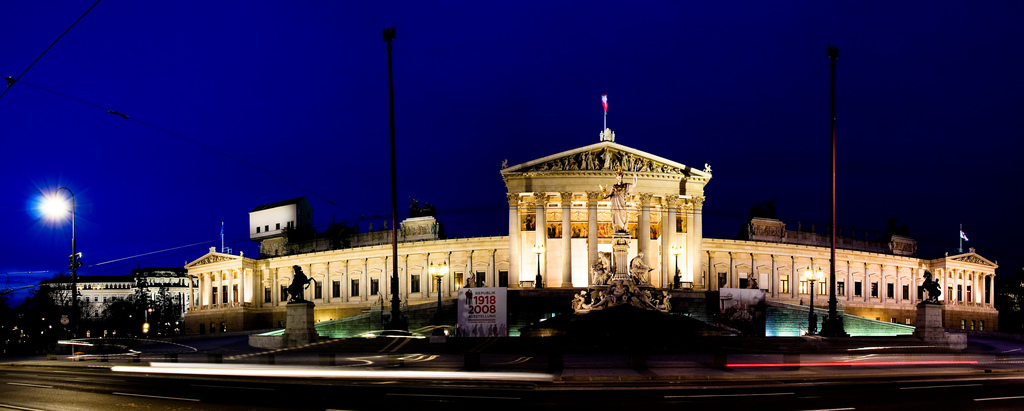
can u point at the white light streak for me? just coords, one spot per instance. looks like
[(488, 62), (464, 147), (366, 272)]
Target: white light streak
[(252, 370)]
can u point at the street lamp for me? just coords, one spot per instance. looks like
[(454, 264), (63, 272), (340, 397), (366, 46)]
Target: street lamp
[(538, 282), (55, 208), (676, 280), (438, 272), (833, 325), (812, 320)]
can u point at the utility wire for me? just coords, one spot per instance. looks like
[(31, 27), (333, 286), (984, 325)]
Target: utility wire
[(193, 141), (11, 81)]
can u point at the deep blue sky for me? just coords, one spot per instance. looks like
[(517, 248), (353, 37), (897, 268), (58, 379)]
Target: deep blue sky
[(930, 96)]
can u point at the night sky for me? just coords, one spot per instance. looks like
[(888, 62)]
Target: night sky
[(232, 105)]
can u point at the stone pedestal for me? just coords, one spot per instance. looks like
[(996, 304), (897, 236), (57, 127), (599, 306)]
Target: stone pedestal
[(299, 328), (929, 327), (620, 247)]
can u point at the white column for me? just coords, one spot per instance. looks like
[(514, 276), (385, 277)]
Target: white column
[(866, 290), (492, 271), (542, 232), (364, 282), (849, 283), (694, 236), (774, 279), (451, 274), (668, 239), (470, 273), (566, 198), (794, 280), (514, 226), (592, 237), (643, 232)]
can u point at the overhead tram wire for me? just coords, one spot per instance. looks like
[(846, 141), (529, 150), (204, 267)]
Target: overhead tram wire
[(10, 81), (196, 142)]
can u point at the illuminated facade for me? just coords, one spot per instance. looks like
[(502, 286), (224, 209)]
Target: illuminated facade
[(559, 219)]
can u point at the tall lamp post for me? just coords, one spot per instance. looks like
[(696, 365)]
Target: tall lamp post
[(538, 282), (833, 325), (438, 272), (54, 208), (812, 320), (397, 321), (676, 280)]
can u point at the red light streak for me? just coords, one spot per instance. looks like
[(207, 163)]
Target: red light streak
[(849, 364)]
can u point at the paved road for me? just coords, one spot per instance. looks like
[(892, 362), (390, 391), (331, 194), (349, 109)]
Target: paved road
[(989, 376)]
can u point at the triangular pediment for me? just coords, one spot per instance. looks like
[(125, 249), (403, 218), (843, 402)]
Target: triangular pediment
[(973, 258), (213, 257), (605, 156)]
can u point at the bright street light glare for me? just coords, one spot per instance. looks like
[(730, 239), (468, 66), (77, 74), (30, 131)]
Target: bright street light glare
[(54, 207)]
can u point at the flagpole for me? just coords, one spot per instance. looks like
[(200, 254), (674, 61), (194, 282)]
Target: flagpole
[(960, 236)]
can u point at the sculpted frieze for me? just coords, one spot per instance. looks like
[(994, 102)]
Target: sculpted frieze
[(973, 259), (210, 260), (604, 159)]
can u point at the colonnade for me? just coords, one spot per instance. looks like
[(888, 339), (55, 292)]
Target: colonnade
[(653, 209)]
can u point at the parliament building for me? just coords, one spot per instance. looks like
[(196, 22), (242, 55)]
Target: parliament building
[(559, 219)]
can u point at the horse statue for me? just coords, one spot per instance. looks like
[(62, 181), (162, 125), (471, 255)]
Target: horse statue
[(932, 287), (299, 283)]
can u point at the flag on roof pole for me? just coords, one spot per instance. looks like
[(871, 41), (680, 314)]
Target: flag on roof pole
[(604, 102), (963, 236)]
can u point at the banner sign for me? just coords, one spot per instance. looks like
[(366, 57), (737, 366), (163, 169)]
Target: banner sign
[(482, 312)]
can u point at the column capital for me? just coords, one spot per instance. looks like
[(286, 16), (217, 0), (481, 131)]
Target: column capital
[(672, 200), (540, 197), (566, 197), (698, 201), (645, 199), (513, 199), (593, 197)]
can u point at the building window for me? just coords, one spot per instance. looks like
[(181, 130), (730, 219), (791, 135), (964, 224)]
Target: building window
[(374, 286), (822, 287), (906, 292), (278, 227), (257, 229), (502, 278), (784, 284), (481, 278), (840, 288), (874, 290), (892, 320), (214, 299), (266, 228), (355, 287), (803, 287), (972, 325), (336, 289), (266, 294), (414, 284), (890, 291), (284, 292), (318, 290), (949, 293), (969, 299), (857, 289), (981, 325), (959, 292), (458, 281), (907, 321), (234, 292), (224, 296), (963, 324)]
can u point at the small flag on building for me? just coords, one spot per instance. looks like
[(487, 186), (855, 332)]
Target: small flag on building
[(604, 102), (963, 236)]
